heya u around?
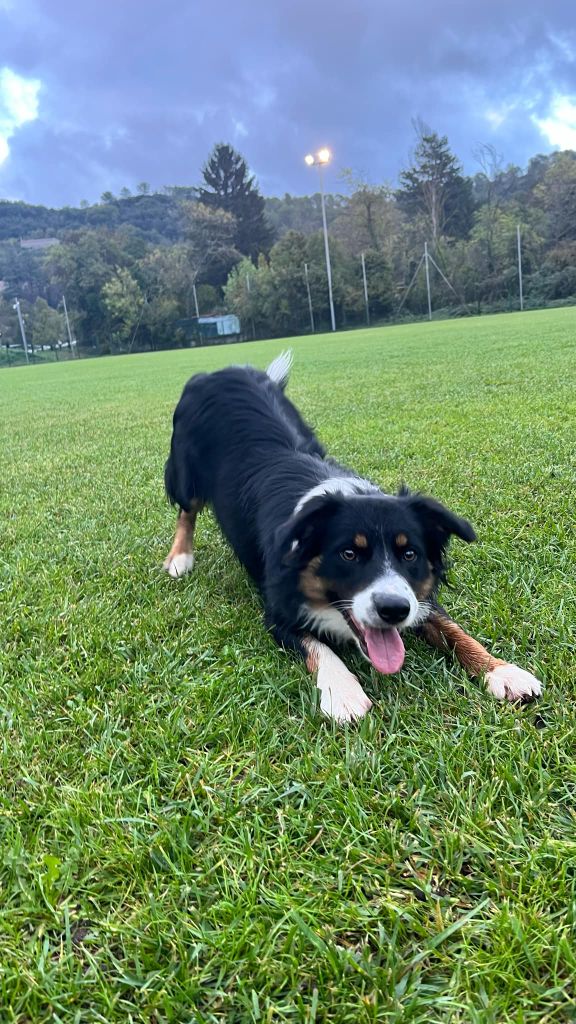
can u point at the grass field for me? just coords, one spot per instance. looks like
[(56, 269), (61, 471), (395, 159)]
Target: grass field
[(183, 838)]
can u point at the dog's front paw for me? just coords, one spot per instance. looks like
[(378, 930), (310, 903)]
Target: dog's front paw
[(508, 682), (342, 698), (179, 565)]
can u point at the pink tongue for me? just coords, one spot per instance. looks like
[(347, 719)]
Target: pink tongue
[(385, 649)]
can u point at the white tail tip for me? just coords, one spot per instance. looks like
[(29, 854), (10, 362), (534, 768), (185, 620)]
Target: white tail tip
[(279, 369)]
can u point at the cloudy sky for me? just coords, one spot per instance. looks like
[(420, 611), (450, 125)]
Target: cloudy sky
[(99, 95)]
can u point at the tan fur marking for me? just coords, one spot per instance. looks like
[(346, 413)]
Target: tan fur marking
[(401, 540), (312, 585), (312, 659), (361, 541), (441, 632), (425, 588), (184, 536)]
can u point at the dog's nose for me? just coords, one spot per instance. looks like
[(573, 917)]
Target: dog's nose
[(391, 608)]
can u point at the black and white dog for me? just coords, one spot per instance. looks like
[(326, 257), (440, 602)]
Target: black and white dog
[(334, 557)]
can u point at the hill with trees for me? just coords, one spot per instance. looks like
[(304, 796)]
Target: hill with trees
[(133, 267)]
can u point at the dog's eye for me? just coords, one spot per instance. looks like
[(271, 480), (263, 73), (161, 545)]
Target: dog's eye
[(409, 555), (349, 555)]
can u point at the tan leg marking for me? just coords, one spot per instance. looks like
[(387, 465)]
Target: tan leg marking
[(341, 696), (441, 632), (180, 558), (504, 680)]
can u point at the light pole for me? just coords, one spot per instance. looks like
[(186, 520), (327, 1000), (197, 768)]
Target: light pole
[(309, 297), (519, 244), (22, 330), (72, 351), (319, 160)]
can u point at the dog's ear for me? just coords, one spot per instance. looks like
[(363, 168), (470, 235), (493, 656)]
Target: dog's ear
[(437, 521), (300, 538)]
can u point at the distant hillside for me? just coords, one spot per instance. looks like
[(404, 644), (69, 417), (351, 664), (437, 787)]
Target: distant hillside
[(155, 216), (547, 181)]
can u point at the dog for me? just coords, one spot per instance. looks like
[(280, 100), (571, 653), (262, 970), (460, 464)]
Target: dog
[(336, 560)]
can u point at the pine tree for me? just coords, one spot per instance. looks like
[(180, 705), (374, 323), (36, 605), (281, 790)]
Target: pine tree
[(435, 188), (230, 187)]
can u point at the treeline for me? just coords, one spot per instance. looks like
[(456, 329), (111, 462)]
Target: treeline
[(134, 268)]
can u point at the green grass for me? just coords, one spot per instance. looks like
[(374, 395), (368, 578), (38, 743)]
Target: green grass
[(182, 837)]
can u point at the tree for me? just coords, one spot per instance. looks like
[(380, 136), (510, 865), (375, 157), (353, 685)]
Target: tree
[(371, 222), (23, 274), (9, 327), (368, 215), (557, 195), (172, 272), (229, 186), (209, 238), (493, 250), (434, 188), (272, 298), (167, 271), (80, 268), (249, 293), (485, 185), (379, 284), (301, 213), (289, 306), (45, 325), (124, 300), (159, 322)]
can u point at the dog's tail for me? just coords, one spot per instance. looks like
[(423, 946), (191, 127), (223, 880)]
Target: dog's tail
[(279, 369)]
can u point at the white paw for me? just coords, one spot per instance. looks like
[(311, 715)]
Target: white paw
[(179, 565), (508, 682), (342, 698)]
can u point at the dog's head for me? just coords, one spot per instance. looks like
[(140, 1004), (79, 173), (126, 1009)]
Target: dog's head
[(377, 559)]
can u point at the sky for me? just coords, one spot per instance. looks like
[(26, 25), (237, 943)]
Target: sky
[(96, 96)]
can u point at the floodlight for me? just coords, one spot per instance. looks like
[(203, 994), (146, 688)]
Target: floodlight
[(319, 160)]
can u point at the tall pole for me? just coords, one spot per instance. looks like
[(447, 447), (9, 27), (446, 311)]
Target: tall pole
[(326, 246), (309, 298), (195, 299), (250, 304), (426, 258), (365, 290), (520, 266), (22, 331), (72, 352)]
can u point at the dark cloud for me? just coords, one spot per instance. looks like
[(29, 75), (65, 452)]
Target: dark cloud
[(140, 90)]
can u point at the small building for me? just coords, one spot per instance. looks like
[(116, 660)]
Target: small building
[(218, 326), (211, 330), (38, 243)]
